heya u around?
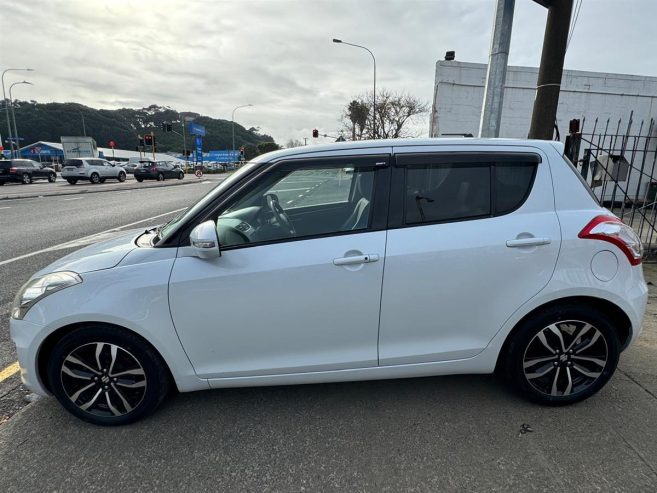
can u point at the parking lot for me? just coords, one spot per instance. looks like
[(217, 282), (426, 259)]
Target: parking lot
[(445, 433)]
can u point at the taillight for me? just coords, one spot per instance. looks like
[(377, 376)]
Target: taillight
[(613, 230), (12, 170)]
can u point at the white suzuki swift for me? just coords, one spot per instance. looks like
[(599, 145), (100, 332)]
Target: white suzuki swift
[(354, 261)]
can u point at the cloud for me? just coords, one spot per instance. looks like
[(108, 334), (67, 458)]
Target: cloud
[(209, 57)]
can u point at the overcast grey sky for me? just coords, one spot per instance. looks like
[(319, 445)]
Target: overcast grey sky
[(210, 56)]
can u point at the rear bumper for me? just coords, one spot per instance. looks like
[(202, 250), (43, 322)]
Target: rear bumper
[(27, 337), (11, 178), (146, 176)]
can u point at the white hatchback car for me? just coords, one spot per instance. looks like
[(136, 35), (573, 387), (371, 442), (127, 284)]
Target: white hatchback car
[(93, 169), (354, 261)]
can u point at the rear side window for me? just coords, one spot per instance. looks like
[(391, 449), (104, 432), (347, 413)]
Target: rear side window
[(77, 163), (512, 185), (486, 186), (447, 193)]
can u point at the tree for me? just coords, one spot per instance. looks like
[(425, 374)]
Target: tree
[(395, 112), (293, 143), (264, 147), (357, 112)]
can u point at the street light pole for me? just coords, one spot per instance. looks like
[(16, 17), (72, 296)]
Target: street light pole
[(232, 119), (374, 60), (4, 98), (13, 114)]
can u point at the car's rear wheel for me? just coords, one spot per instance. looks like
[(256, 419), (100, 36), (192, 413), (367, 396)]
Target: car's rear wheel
[(160, 177), (563, 355), (181, 175), (26, 179), (72, 181), (52, 177), (107, 376), (139, 179), (102, 180), (94, 178), (121, 176)]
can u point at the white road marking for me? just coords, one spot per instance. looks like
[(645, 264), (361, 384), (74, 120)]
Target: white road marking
[(86, 240), (5, 207), (74, 198)]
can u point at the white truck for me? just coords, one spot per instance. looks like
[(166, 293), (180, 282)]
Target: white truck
[(76, 147)]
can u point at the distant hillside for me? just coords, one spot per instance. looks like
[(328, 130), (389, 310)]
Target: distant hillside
[(49, 121)]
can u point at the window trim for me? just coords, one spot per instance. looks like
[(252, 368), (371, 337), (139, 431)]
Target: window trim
[(402, 162), (378, 210)]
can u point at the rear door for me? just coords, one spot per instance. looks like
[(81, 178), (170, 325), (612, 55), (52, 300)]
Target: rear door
[(473, 235)]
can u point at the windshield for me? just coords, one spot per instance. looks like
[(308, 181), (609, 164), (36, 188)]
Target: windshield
[(171, 226)]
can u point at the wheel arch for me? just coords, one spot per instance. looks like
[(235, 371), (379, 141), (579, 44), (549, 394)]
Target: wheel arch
[(48, 344), (620, 319)]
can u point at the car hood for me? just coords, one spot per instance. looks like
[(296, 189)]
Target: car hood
[(98, 256)]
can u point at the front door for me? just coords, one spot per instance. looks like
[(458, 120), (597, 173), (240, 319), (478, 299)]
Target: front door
[(474, 236), (297, 287)]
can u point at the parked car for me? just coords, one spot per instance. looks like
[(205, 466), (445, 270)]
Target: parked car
[(24, 171), (93, 169), (496, 257), (158, 170), (130, 167)]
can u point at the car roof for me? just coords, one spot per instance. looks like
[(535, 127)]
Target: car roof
[(412, 142)]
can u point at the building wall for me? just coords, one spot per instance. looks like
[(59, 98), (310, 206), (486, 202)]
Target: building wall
[(459, 93)]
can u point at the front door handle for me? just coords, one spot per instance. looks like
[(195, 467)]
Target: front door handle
[(527, 242), (356, 259)]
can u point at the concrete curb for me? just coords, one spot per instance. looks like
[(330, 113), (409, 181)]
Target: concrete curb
[(102, 190)]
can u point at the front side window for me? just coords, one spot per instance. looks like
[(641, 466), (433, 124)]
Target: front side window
[(299, 203)]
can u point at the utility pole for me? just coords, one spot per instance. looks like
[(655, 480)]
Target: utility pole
[(84, 127), (491, 111), (549, 74)]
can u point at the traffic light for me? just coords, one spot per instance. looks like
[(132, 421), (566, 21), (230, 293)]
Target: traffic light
[(315, 133), (148, 139)]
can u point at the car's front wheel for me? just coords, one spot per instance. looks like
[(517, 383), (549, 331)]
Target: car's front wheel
[(121, 176), (26, 179), (107, 376), (52, 177), (139, 179), (72, 181), (181, 175), (563, 354), (160, 177)]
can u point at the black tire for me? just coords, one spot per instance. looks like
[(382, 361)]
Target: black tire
[(72, 181), (121, 176), (138, 354), (102, 180), (181, 175), (140, 179), (547, 381), (94, 178), (2, 183), (52, 177), (160, 177), (26, 179)]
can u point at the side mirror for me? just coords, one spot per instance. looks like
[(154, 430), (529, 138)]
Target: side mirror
[(204, 240)]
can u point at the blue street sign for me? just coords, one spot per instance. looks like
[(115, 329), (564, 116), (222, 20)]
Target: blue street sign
[(224, 156), (196, 129), (198, 152)]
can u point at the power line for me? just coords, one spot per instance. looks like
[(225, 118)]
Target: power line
[(576, 9)]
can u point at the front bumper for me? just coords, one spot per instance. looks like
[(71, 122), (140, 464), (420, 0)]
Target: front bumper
[(28, 337)]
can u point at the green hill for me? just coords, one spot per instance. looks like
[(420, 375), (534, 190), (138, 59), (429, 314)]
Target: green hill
[(49, 121)]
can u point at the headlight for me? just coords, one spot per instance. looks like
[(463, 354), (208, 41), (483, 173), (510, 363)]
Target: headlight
[(39, 288)]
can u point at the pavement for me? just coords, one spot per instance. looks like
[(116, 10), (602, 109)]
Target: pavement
[(460, 433), (41, 188)]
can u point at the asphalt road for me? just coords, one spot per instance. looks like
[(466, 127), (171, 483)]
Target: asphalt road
[(431, 434)]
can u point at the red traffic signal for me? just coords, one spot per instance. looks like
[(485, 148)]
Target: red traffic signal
[(148, 139), (112, 144), (315, 133)]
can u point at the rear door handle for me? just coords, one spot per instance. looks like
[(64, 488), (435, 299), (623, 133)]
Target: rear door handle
[(527, 242), (356, 259)]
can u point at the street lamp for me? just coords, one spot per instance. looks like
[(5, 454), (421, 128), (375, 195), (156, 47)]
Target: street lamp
[(232, 119), (4, 98), (13, 114), (339, 41)]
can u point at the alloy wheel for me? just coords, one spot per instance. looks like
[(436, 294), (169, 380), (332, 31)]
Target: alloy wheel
[(26, 179), (103, 379), (565, 358)]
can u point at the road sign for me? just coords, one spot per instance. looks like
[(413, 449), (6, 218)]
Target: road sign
[(198, 173), (196, 129), (224, 156), (198, 151)]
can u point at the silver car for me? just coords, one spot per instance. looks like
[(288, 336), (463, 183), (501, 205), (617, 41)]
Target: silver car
[(93, 169)]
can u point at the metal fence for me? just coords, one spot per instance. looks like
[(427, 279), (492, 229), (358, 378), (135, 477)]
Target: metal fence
[(618, 160)]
